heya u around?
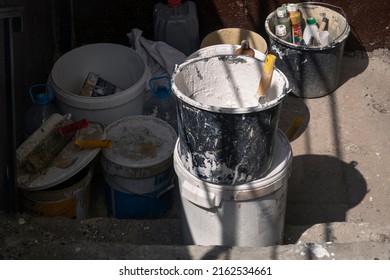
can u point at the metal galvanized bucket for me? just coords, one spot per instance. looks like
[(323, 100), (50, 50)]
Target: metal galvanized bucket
[(311, 71), (226, 135)]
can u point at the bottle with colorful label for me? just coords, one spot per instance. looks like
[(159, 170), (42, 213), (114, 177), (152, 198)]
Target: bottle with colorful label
[(296, 28)]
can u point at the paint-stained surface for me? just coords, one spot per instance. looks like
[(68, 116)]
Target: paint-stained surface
[(226, 135), (67, 163)]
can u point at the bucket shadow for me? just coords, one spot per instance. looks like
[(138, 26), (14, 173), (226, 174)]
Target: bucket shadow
[(353, 62), (321, 189), (293, 107)]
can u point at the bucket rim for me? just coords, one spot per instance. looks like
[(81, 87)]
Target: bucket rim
[(266, 184), (227, 110), (335, 43), (45, 194)]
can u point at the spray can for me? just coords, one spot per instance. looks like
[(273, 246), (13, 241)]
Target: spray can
[(42, 108), (296, 28)]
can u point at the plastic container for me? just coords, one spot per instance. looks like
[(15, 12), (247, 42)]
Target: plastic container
[(66, 164), (312, 71), (69, 199), (120, 65), (160, 102), (226, 135), (41, 109), (138, 169), (62, 188), (282, 18), (234, 36), (250, 214), (310, 33), (177, 25)]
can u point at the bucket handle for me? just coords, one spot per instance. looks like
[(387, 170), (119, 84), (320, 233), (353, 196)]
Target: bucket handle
[(48, 88), (336, 8), (165, 190), (199, 196), (150, 82)]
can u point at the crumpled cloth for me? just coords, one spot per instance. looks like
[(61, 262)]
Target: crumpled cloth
[(160, 57)]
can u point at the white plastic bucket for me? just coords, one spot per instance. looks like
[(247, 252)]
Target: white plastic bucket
[(138, 169), (250, 214), (69, 199), (120, 65)]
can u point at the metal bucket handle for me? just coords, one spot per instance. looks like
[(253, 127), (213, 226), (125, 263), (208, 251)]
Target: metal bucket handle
[(333, 7)]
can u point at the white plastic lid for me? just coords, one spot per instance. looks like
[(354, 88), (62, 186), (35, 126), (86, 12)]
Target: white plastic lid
[(280, 30), (292, 7), (140, 141), (65, 165), (281, 12)]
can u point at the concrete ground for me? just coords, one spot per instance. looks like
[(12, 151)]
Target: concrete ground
[(338, 192)]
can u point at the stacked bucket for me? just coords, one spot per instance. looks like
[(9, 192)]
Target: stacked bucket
[(231, 160)]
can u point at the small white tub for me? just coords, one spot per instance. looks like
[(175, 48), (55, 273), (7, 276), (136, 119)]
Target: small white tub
[(138, 169)]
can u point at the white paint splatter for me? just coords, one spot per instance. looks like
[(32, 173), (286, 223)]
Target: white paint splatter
[(319, 251)]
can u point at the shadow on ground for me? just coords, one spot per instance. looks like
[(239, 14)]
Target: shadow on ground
[(293, 107), (322, 189)]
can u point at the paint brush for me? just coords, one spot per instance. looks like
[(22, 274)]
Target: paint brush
[(92, 144), (266, 77), (293, 128), (73, 127)]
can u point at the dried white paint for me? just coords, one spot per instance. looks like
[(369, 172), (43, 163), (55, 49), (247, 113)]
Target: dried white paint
[(319, 251), (226, 82)]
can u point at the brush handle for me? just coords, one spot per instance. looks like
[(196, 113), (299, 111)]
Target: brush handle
[(293, 128), (92, 144), (266, 75)]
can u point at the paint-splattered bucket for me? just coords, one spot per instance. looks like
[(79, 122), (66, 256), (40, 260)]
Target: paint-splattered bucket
[(69, 199), (312, 71), (138, 169), (250, 214), (226, 135), (62, 187)]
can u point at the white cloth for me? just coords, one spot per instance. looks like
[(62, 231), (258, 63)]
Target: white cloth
[(159, 56)]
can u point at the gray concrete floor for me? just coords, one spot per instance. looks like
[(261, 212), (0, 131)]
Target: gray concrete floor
[(339, 188), (341, 169)]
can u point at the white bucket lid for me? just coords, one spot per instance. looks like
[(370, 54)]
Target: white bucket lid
[(208, 194), (140, 141), (65, 165)]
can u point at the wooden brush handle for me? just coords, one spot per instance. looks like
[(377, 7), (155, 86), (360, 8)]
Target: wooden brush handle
[(92, 144), (266, 75)]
